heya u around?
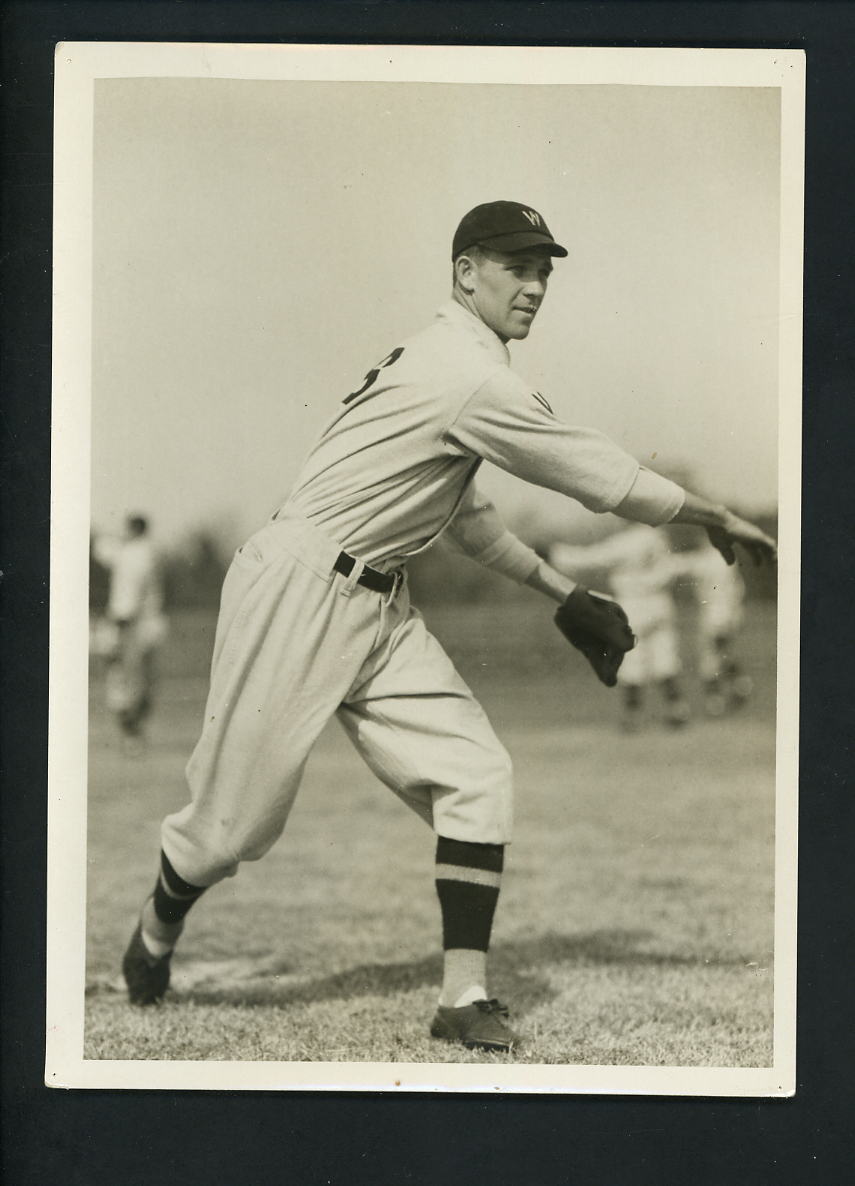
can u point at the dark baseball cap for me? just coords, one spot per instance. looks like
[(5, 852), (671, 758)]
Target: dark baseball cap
[(504, 226)]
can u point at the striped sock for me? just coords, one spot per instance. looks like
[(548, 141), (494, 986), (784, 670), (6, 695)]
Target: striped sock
[(163, 913), (467, 884)]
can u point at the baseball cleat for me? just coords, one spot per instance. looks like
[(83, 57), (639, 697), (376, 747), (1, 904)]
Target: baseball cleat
[(479, 1026), (146, 975)]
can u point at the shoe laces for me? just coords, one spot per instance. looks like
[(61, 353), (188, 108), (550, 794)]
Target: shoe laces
[(492, 1006)]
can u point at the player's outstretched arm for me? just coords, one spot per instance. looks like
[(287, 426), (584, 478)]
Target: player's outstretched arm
[(726, 529), (549, 581)]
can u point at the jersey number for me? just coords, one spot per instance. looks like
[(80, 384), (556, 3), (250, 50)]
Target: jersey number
[(372, 374)]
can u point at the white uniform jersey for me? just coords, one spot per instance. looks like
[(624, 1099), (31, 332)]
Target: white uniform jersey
[(395, 466), (719, 590), (640, 573), (638, 560), (135, 588)]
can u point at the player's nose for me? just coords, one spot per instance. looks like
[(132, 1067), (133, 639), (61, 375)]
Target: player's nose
[(534, 289)]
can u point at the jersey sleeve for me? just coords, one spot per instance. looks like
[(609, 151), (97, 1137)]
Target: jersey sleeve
[(508, 423), (478, 531), (652, 499)]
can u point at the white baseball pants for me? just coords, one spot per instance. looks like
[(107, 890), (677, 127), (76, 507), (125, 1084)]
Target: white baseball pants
[(656, 654), (297, 642)]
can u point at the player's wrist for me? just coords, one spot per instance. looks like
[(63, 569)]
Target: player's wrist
[(733, 525), (702, 513), (552, 583)]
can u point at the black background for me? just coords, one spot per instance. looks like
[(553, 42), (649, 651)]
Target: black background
[(80, 1138)]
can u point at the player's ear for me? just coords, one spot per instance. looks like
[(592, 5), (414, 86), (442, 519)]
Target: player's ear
[(464, 273)]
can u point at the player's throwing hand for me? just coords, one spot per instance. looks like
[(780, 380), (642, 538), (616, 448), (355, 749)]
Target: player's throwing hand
[(726, 529), (759, 546)]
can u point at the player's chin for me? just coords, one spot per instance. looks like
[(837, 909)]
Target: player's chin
[(520, 326)]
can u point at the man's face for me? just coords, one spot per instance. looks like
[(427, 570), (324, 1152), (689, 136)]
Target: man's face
[(507, 290)]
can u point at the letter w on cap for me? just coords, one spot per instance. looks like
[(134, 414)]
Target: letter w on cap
[(532, 216)]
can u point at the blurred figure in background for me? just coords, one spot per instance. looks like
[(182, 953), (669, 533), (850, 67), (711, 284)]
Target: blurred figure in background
[(636, 563), (137, 625), (719, 591)]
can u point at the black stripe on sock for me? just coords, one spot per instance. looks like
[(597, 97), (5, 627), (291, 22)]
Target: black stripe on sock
[(470, 856), (173, 909), (177, 884), (467, 913)]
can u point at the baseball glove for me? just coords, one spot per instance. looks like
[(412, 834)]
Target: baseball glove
[(599, 629)]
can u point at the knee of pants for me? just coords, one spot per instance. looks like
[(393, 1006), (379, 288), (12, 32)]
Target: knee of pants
[(254, 846), (504, 766), (213, 850), (480, 811), (202, 855), (495, 772)]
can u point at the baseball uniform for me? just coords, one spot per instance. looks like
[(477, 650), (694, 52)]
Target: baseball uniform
[(134, 610), (719, 590), (300, 639)]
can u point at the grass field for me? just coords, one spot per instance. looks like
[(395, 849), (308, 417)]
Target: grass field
[(636, 918)]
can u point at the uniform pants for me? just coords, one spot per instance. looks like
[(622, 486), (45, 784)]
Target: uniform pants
[(718, 625), (297, 643), (656, 654), (130, 675)]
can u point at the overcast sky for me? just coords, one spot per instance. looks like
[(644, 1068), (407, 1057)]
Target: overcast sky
[(259, 245)]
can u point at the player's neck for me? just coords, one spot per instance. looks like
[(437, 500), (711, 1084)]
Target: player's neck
[(467, 302)]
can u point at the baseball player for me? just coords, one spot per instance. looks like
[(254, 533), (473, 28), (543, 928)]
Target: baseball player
[(719, 591), (637, 559), (135, 614), (315, 618)]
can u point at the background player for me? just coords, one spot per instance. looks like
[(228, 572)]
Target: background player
[(719, 591), (315, 618), (637, 563), (135, 613)]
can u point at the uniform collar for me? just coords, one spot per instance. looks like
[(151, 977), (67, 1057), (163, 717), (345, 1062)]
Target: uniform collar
[(454, 313)]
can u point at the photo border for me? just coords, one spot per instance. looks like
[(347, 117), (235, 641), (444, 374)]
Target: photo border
[(77, 65)]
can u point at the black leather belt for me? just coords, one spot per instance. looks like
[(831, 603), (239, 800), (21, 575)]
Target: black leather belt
[(379, 582)]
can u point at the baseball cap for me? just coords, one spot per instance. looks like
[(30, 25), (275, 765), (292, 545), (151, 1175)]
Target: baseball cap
[(505, 226)]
